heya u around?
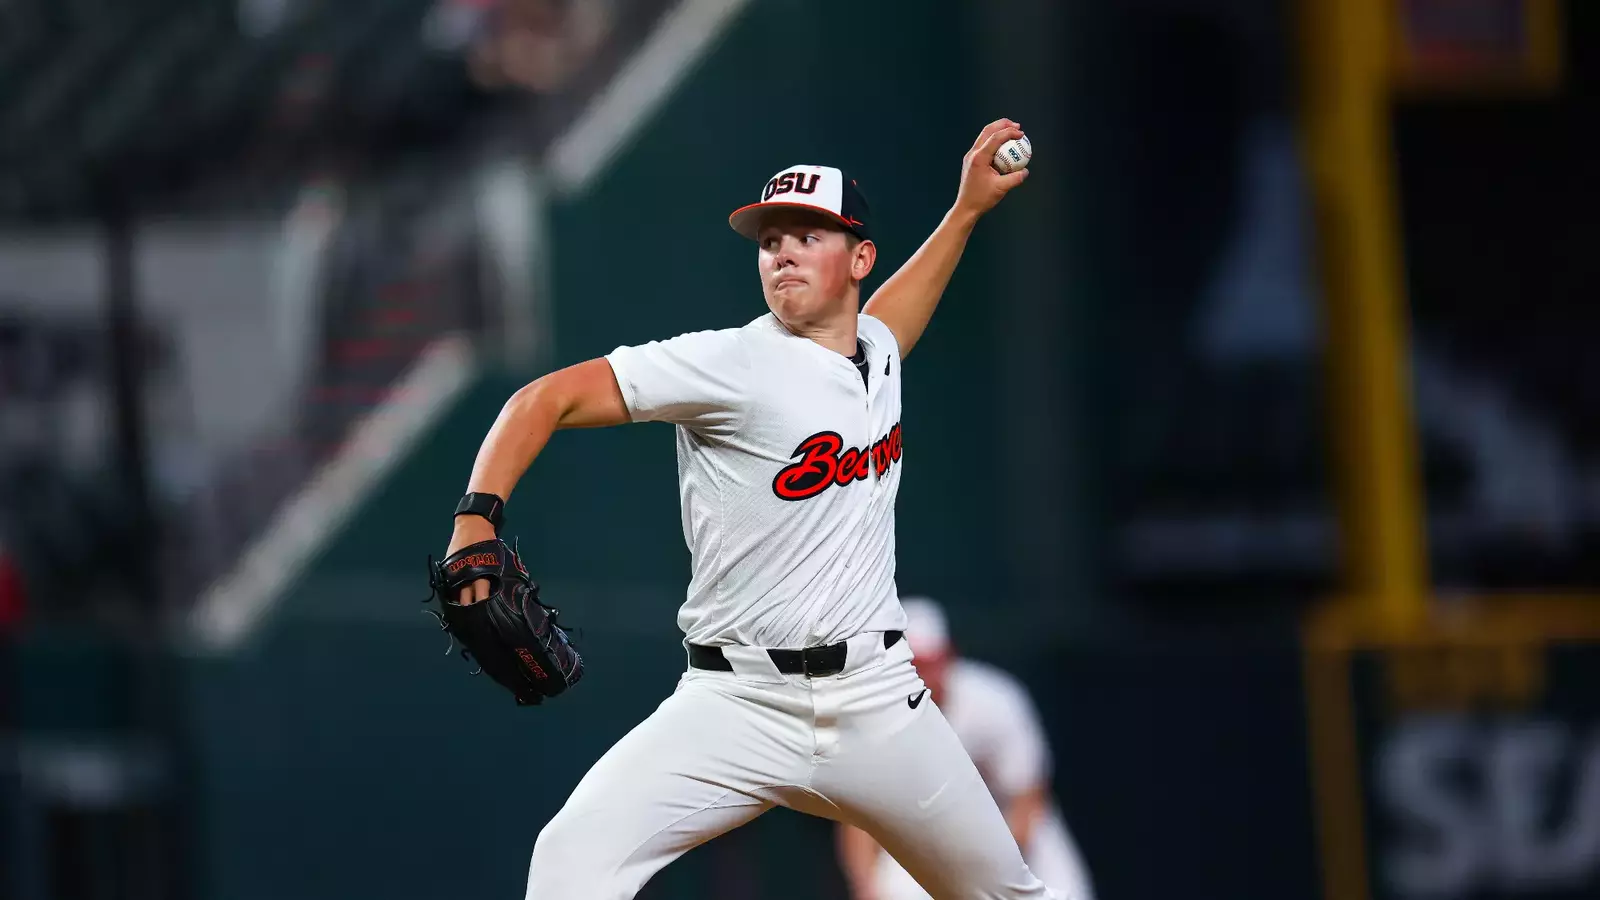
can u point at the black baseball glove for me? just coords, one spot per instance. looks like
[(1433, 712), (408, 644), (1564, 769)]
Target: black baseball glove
[(511, 634)]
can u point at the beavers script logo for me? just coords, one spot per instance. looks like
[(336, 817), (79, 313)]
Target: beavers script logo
[(822, 465)]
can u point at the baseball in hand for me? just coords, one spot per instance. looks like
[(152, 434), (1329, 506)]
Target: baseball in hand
[(1013, 155)]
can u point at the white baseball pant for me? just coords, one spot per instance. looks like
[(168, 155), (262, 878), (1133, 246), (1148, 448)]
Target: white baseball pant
[(728, 746), (1051, 855)]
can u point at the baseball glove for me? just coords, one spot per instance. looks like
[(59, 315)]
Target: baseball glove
[(511, 634)]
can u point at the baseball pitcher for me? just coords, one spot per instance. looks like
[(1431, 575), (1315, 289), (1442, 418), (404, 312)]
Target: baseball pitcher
[(798, 689)]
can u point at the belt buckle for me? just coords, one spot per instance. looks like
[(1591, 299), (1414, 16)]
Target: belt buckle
[(822, 664)]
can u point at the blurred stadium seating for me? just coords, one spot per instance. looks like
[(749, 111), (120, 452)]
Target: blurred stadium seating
[(365, 117)]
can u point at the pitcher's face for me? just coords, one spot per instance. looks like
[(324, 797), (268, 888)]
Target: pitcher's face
[(809, 266)]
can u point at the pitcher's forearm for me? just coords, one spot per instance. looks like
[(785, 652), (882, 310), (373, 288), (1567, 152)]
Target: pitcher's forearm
[(906, 301)]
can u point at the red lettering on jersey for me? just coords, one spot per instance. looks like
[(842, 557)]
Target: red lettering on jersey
[(825, 462), (814, 472), (847, 467)]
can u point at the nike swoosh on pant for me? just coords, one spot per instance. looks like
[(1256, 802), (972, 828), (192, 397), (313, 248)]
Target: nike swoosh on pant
[(924, 804)]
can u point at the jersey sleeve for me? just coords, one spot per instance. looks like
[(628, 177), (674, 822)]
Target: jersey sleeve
[(1022, 757), (698, 380)]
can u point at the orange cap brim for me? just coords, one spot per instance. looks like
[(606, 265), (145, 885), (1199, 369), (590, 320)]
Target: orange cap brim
[(746, 220)]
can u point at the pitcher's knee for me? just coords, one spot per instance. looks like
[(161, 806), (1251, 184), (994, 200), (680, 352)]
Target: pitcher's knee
[(1034, 889), (571, 863)]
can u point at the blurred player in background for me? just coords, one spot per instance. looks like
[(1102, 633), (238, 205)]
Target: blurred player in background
[(996, 722)]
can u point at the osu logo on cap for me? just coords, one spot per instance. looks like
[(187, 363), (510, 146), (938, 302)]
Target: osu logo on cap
[(791, 181)]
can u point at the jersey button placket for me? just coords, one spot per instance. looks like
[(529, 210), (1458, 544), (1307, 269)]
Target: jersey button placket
[(866, 429), (871, 433)]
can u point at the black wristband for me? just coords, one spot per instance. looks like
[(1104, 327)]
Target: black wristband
[(489, 506)]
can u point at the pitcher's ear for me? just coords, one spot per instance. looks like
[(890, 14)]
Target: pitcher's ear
[(866, 255)]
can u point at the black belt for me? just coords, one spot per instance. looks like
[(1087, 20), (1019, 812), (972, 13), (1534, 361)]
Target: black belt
[(828, 660)]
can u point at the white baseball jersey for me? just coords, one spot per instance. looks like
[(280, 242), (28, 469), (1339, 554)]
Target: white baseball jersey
[(788, 468)]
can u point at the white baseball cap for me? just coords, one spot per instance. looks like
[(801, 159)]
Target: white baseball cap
[(926, 629), (818, 188)]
